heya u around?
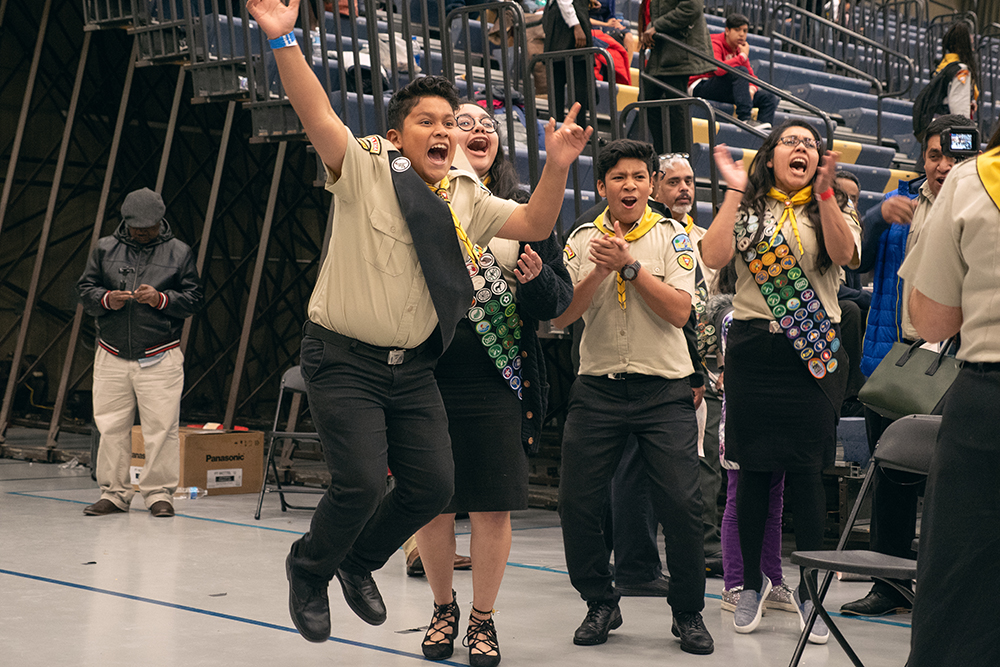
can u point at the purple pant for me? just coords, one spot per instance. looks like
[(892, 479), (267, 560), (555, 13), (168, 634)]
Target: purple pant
[(770, 557)]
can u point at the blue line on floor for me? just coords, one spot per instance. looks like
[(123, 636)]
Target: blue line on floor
[(539, 568), (215, 614)]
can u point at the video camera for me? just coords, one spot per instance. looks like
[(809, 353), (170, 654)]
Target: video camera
[(960, 143)]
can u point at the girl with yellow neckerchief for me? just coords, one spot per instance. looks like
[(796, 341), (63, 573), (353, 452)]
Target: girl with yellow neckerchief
[(783, 387)]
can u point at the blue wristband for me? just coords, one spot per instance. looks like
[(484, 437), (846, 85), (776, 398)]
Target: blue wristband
[(283, 41)]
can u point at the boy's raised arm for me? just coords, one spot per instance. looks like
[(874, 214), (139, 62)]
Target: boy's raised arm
[(324, 128)]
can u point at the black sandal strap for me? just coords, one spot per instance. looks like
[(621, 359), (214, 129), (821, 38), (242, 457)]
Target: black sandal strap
[(449, 615)]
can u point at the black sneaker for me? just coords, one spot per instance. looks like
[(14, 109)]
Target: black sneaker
[(694, 636), (602, 618)]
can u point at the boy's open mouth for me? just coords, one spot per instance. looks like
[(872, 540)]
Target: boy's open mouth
[(438, 153)]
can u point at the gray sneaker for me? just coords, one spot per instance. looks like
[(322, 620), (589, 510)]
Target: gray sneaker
[(749, 608), (819, 634)]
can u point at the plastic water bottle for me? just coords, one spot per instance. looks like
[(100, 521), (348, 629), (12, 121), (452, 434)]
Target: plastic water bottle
[(189, 493), (416, 50), (317, 50)]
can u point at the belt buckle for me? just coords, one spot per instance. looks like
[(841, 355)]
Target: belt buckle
[(773, 327), (616, 376), (395, 357)]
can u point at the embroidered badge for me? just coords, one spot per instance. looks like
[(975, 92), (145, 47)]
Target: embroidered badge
[(372, 144), (686, 262), (682, 243), (400, 164), (568, 252)]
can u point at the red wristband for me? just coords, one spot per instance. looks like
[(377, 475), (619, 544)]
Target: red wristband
[(826, 194)]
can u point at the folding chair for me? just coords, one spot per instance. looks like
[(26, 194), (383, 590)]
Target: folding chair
[(291, 382), (907, 445)]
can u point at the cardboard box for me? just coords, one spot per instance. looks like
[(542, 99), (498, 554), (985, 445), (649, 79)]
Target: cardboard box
[(221, 462)]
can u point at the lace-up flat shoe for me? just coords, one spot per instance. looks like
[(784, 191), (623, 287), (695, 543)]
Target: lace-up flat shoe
[(694, 636), (362, 596), (657, 588), (161, 508), (308, 606), (819, 634), (875, 604), (602, 618), (750, 607), (102, 507)]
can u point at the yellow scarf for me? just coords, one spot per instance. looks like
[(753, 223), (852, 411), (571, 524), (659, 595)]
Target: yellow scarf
[(646, 222), (800, 198), (688, 224), (988, 167), (441, 190), (950, 58)]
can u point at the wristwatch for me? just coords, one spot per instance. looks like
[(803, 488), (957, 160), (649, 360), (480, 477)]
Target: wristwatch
[(630, 271)]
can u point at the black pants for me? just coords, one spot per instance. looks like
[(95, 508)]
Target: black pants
[(559, 80), (372, 417), (680, 120), (735, 90), (753, 497), (955, 618), (894, 507), (602, 414), (633, 520)]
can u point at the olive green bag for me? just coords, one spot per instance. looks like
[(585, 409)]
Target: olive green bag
[(911, 380)]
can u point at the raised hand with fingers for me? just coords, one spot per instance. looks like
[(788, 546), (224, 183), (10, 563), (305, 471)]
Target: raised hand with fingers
[(731, 172), (825, 173), (563, 145), (274, 17), (528, 266)]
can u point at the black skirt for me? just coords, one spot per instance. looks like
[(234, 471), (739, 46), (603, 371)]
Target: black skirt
[(484, 422), (777, 416)]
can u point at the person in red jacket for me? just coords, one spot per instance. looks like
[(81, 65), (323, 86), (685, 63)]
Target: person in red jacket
[(719, 85)]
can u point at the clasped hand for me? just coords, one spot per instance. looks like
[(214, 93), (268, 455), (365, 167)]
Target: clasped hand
[(611, 253)]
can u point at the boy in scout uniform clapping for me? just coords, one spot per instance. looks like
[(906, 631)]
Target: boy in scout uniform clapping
[(633, 277), (386, 303)]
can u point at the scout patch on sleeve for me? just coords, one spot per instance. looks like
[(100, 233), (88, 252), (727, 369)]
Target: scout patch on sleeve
[(568, 252), (686, 262), (682, 243), (372, 144)]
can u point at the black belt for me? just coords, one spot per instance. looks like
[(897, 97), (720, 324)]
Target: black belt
[(770, 326), (982, 366), (627, 376), (388, 355)]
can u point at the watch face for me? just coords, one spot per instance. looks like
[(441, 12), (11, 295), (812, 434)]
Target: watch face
[(629, 272)]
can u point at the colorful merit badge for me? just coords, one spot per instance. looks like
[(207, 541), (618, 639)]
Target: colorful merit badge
[(788, 295), (682, 243), (495, 318)]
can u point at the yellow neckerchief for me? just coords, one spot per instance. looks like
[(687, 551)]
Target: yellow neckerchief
[(688, 224), (441, 190), (950, 58), (988, 168), (646, 222), (800, 198)]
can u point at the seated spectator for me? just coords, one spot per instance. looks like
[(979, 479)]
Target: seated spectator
[(719, 85)]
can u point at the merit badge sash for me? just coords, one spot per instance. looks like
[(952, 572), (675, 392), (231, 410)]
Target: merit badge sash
[(797, 310), (494, 316), (705, 334), (438, 251)]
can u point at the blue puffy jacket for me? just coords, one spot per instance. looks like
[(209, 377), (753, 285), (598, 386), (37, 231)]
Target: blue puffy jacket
[(883, 250)]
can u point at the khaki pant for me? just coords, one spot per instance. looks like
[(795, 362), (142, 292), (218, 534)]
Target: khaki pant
[(120, 386)]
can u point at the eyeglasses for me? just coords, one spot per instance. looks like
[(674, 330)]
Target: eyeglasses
[(808, 142), (466, 123)]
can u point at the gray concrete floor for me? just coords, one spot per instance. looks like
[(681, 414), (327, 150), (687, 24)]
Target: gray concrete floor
[(208, 588)]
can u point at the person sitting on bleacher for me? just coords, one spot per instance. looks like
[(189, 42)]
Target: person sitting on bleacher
[(719, 85), (890, 232)]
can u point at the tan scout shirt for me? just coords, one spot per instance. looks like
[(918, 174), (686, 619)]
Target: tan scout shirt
[(371, 287), (697, 234), (956, 261), (749, 303), (924, 202), (634, 340)]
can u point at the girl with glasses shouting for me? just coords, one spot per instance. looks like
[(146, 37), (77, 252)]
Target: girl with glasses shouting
[(786, 369)]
